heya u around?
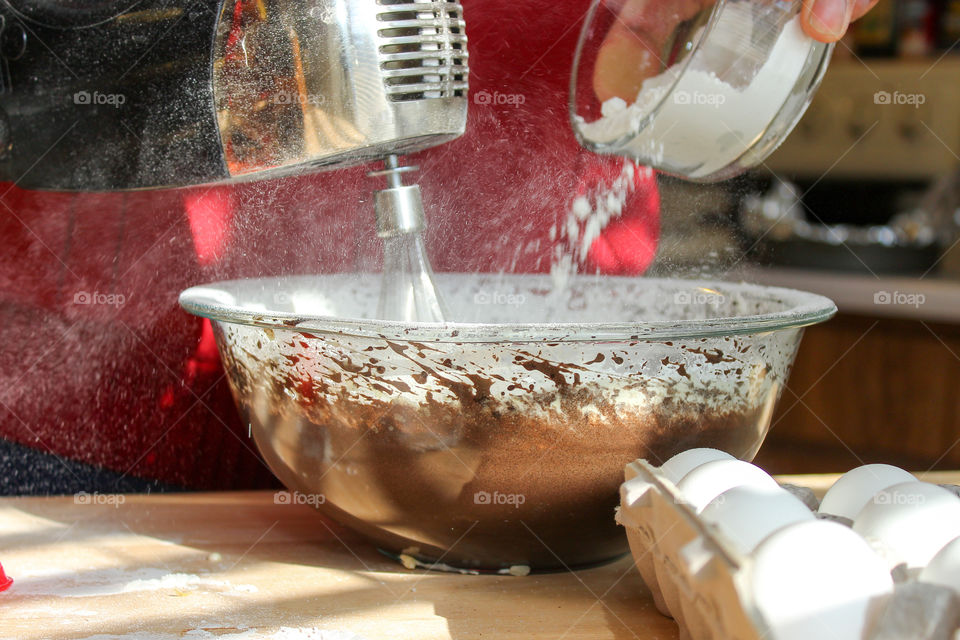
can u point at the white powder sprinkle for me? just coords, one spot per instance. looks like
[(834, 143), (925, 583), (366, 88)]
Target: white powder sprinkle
[(107, 582), (588, 216), (283, 633)]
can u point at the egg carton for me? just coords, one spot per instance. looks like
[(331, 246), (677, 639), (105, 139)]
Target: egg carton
[(699, 578), (694, 576)]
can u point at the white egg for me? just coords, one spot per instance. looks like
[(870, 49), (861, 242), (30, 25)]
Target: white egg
[(818, 580), (914, 520), (944, 568), (853, 490), (746, 515), (709, 480), (684, 462)]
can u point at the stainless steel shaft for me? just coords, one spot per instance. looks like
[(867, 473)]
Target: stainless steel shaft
[(408, 292)]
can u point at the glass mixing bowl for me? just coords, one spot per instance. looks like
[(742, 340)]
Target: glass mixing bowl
[(499, 439), (699, 89)]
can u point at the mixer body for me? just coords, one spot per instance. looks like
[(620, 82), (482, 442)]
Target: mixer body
[(163, 93)]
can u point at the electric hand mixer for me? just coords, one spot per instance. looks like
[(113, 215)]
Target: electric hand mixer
[(168, 93)]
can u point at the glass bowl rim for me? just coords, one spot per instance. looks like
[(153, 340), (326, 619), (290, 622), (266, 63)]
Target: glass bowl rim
[(803, 309)]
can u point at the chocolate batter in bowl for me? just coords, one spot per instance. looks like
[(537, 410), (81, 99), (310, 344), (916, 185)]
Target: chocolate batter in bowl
[(499, 439)]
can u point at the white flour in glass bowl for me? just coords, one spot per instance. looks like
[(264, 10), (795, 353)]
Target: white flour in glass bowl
[(704, 122)]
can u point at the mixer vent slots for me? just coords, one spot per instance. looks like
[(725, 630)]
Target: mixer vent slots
[(423, 49)]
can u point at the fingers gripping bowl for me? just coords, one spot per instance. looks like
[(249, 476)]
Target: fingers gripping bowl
[(500, 439)]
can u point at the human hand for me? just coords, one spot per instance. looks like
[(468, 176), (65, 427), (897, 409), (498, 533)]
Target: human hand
[(827, 20)]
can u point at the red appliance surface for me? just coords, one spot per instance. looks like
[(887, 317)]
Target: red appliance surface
[(99, 364)]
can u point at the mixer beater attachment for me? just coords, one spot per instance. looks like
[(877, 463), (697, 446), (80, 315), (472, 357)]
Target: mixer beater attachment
[(408, 292)]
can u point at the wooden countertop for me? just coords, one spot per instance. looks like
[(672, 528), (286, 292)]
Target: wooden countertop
[(237, 566)]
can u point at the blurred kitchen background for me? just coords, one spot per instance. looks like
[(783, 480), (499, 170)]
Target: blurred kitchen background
[(861, 204)]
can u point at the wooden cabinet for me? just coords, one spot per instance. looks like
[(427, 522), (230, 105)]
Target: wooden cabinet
[(869, 390)]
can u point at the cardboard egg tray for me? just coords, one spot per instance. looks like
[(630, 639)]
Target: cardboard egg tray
[(698, 578), (695, 576)]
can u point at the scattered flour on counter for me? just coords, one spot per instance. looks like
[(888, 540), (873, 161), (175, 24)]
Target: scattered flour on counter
[(64, 613), (706, 123), (284, 633), (183, 582), (107, 582), (136, 635)]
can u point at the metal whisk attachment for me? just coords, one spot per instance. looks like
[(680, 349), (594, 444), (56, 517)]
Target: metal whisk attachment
[(407, 292)]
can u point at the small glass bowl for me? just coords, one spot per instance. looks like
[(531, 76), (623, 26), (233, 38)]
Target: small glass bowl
[(699, 90)]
